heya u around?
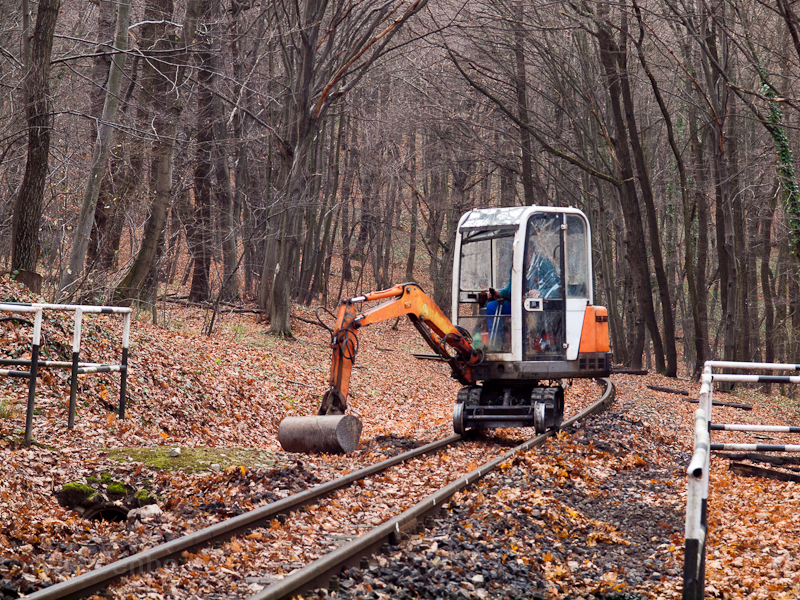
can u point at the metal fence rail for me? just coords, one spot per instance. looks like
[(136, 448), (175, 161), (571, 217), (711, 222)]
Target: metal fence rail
[(697, 488), (76, 367)]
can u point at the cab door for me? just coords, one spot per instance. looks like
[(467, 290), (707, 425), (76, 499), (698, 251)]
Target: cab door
[(544, 306), (578, 279)]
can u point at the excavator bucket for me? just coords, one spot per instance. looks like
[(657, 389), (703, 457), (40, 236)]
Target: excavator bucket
[(333, 434)]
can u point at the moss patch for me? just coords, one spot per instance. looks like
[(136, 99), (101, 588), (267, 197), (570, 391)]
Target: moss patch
[(117, 489), (76, 494), (193, 460), (145, 498)]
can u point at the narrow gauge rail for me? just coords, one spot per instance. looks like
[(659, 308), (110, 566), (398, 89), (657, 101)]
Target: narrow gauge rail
[(318, 572)]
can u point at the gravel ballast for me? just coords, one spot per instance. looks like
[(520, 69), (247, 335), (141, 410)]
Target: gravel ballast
[(591, 512)]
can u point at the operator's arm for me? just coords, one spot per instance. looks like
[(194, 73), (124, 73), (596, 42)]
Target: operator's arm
[(550, 279), (551, 282), (543, 280)]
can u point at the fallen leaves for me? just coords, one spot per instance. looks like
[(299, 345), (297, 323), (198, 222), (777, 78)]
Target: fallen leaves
[(224, 392)]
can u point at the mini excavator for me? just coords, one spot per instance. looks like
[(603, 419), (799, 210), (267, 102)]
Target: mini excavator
[(524, 322)]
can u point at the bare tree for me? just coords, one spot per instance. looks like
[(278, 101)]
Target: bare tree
[(326, 48), (168, 55), (28, 205), (80, 243)]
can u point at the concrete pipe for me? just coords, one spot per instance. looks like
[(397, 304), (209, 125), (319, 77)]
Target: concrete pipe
[(312, 435)]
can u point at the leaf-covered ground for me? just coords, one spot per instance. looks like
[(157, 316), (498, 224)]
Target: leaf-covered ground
[(224, 395)]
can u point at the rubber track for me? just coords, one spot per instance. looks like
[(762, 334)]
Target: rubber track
[(318, 573)]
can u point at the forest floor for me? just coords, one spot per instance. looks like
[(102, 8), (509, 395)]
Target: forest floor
[(597, 512)]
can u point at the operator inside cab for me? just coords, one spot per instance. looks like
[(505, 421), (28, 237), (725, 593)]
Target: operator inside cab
[(551, 277), (541, 281)]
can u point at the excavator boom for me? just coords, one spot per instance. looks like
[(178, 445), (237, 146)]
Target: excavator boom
[(402, 299), (334, 431)]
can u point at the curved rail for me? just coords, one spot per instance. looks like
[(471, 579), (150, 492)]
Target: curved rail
[(319, 573), (154, 558)]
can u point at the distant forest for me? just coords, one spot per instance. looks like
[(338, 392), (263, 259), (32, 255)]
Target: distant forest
[(274, 150)]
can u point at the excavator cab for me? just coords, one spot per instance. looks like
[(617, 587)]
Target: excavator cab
[(522, 288), (486, 263), (522, 322)]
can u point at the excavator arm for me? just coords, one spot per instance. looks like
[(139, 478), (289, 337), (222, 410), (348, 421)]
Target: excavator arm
[(447, 340)]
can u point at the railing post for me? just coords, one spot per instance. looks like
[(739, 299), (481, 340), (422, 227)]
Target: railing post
[(706, 392), (37, 337), (76, 347), (123, 379), (694, 564)]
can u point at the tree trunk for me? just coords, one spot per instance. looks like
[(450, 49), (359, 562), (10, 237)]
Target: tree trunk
[(699, 166), (227, 207), (507, 187), (106, 20), (436, 201), (742, 316), (411, 141), (726, 247), (326, 245), (367, 220), (165, 125), (348, 227), (128, 289), (687, 211), (781, 294), (28, 205), (281, 285), (313, 217), (670, 350), (326, 270), (719, 112), (765, 246), (207, 187), (202, 238), (606, 251), (634, 238), (83, 229), (521, 85), (121, 184), (386, 243)]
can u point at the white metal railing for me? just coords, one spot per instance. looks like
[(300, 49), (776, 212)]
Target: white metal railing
[(77, 367), (698, 470)]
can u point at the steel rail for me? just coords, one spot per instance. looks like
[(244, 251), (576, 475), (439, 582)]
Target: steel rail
[(154, 558), (318, 573)]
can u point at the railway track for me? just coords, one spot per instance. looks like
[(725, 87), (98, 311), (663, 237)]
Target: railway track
[(324, 564)]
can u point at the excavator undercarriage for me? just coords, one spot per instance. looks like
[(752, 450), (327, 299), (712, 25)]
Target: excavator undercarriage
[(492, 406)]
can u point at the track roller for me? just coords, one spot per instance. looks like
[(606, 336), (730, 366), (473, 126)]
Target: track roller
[(548, 407), (458, 418), (467, 398)]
